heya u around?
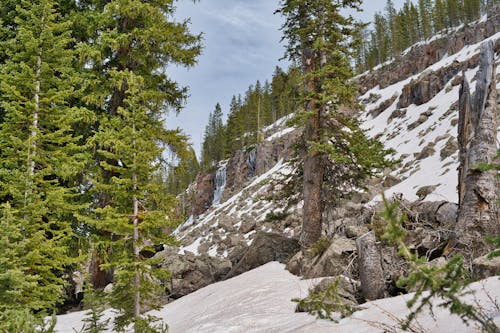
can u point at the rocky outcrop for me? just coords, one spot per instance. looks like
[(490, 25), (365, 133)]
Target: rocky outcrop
[(423, 55), (191, 272), (204, 193), (428, 85), (337, 294), (239, 170), (269, 152), (477, 137), (266, 247), (332, 262)]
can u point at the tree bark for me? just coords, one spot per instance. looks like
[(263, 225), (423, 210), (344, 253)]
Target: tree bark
[(34, 129), (136, 245), (370, 267), (478, 189), (312, 167)]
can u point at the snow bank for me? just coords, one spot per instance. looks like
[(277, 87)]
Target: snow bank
[(259, 301)]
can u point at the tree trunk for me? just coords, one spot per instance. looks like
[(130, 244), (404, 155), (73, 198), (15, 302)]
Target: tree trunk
[(137, 282), (478, 189), (313, 168), (136, 245), (313, 208), (34, 130), (370, 267)]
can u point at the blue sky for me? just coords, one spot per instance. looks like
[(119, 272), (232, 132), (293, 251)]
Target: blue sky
[(241, 43)]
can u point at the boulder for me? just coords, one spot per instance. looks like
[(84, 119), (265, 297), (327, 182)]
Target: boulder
[(484, 267), (266, 247), (355, 231), (297, 264), (247, 225), (334, 260), (191, 272)]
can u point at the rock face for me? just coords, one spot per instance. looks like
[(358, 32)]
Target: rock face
[(428, 85), (241, 167), (204, 193), (190, 272), (477, 140), (421, 56), (266, 247), (239, 170), (269, 152)]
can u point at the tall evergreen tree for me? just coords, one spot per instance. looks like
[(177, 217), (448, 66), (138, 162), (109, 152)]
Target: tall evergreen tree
[(128, 45), (40, 156), (319, 39), (424, 7)]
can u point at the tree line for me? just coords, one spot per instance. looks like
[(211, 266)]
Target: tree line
[(260, 106), (83, 97), (395, 30)]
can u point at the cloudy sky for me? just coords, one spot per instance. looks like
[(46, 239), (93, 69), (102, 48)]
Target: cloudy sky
[(241, 43)]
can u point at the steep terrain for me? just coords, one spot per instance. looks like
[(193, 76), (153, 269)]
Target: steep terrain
[(411, 105), (244, 214)]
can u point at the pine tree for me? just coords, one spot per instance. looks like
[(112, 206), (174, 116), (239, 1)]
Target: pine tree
[(139, 211), (40, 155), (439, 15), (318, 38), (129, 43), (219, 135), (234, 126), (391, 13), (424, 7)]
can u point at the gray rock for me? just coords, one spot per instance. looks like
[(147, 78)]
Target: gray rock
[(296, 264), (485, 267), (247, 225), (341, 299), (450, 148), (334, 260), (390, 181), (266, 247), (355, 231), (191, 272)]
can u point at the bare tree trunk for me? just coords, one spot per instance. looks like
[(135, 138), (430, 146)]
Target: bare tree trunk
[(137, 249), (478, 189), (370, 267), (137, 282), (34, 129)]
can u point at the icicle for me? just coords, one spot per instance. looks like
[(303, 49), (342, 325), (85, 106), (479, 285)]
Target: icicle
[(219, 184), (252, 162)]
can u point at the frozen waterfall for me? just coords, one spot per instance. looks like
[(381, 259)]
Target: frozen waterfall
[(252, 162), (219, 184)]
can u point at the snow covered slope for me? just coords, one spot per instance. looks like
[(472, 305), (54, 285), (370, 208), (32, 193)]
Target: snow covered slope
[(421, 146), (259, 302), (423, 137)]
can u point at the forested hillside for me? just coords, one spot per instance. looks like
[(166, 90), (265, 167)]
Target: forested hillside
[(395, 30)]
